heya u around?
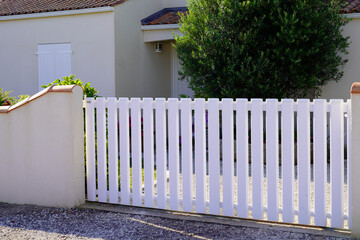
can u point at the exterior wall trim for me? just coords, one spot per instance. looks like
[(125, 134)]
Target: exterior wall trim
[(159, 27), (57, 13), (351, 15)]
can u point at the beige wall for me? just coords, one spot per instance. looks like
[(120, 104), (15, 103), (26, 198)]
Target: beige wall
[(140, 71), (92, 42), (355, 161), (42, 151), (174, 3), (340, 90)]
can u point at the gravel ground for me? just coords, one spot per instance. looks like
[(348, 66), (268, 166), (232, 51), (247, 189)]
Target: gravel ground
[(32, 222)]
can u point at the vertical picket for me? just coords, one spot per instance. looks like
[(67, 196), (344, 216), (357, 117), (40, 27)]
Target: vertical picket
[(272, 158), (186, 154), (124, 150), (200, 155), (90, 150), (320, 159), (303, 159), (228, 156), (242, 157), (173, 130), (257, 161), (337, 162), (101, 149), (136, 158), (160, 152), (214, 156), (148, 122), (113, 151), (287, 161), (348, 148)]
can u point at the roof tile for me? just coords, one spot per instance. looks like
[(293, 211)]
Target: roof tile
[(165, 16), (16, 7), (352, 6), (171, 15)]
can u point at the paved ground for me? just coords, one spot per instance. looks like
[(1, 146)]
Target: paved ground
[(116, 222)]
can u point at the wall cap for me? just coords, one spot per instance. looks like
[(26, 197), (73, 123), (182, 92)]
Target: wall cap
[(53, 88), (355, 88)]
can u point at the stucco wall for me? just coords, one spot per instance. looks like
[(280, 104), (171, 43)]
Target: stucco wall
[(92, 42), (140, 71), (340, 90), (42, 150), (174, 3)]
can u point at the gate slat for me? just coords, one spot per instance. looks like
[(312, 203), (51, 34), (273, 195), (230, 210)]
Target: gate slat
[(186, 154), (174, 153), (90, 150), (101, 149), (103, 173), (348, 148), (287, 142), (124, 150), (320, 159), (113, 151), (228, 156), (272, 158), (136, 158), (214, 156), (200, 156), (242, 157), (337, 162), (161, 152), (148, 122), (303, 160), (257, 161)]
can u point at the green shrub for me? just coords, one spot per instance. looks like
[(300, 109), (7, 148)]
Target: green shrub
[(69, 80), (6, 99), (261, 49)]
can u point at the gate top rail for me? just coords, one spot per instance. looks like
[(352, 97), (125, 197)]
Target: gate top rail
[(346, 104)]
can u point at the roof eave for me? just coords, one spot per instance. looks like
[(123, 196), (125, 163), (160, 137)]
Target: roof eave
[(57, 13), (159, 27), (351, 15)]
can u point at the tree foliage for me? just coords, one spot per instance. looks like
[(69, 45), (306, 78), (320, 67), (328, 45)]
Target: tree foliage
[(261, 48)]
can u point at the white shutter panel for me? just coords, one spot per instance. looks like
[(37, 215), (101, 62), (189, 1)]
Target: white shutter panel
[(62, 60), (54, 61), (46, 64)]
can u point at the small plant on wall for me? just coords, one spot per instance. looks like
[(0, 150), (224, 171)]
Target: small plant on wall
[(71, 80), (7, 100)]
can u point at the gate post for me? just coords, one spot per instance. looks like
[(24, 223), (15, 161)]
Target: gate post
[(354, 209)]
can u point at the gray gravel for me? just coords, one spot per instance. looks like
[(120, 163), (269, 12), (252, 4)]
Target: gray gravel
[(32, 222)]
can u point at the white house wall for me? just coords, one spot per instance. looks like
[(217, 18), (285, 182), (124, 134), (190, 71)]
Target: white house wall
[(341, 89), (140, 71), (160, 35), (174, 3), (92, 42)]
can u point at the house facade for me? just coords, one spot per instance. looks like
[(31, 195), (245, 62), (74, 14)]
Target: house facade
[(340, 90), (123, 47), (99, 41)]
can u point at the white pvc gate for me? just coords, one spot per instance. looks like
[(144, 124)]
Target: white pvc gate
[(222, 157)]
